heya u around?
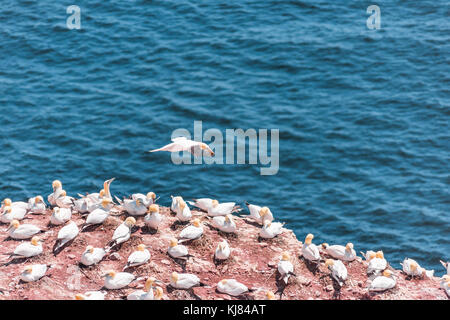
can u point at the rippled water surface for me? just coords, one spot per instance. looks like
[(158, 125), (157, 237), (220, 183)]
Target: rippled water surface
[(363, 114)]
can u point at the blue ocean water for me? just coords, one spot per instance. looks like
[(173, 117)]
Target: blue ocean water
[(363, 114)]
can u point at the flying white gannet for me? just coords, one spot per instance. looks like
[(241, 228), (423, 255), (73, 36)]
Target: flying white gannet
[(28, 249), (117, 280), (92, 256), (33, 272), (37, 205), (57, 189), (153, 218), (232, 287), (138, 257), (259, 214), (184, 281), (177, 251), (183, 144), (65, 235), (147, 293), (222, 209), (60, 215), (222, 251), (377, 264), (309, 250), (271, 229), (98, 216), (383, 282), (413, 269), (122, 233), (147, 200), (338, 270), (285, 267), (9, 214), (446, 265), (183, 212), (224, 223), (90, 295), (191, 232), (340, 252), (22, 232)]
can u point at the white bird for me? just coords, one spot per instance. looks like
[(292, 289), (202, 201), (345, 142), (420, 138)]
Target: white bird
[(92, 256), (14, 205), (9, 214), (177, 251), (340, 252), (445, 284), (37, 205), (65, 235), (377, 264), (222, 251), (98, 216), (21, 232), (33, 273), (183, 144), (222, 209), (84, 204), (138, 257), (175, 202), (232, 287), (446, 265), (117, 280), (202, 203), (64, 201), (369, 255), (147, 200), (28, 249), (309, 250), (184, 281), (338, 270), (225, 224), (122, 233), (259, 214), (153, 218), (60, 215), (147, 293), (383, 282), (191, 232), (285, 267), (133, 207), (413, 269), (57, 190), (90, 295), (183, 212), (107, 189), (271, 229)]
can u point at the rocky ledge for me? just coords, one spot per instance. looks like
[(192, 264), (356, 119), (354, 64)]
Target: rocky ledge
[(253, 262)]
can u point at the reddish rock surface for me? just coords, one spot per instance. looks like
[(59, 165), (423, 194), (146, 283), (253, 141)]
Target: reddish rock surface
[(252, 262)]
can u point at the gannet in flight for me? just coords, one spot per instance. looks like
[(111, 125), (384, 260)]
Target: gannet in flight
[(92, 255), (222, 251), (383, 282), (27, 249), (90, 295), (138, 257), (259, 214), (285, 267), (117, 280), (65, 235), (338, 270), (22, 232), (232, 287), (37, 205), (191, 232), (340, 252), (57, 189), (224, 223), (60, 215), (309, 250), (33, 273), (177, 251), (122, 233), (183, 144), (413, 269), (9, 214), (153, 218), (222, 209), (184, 281)]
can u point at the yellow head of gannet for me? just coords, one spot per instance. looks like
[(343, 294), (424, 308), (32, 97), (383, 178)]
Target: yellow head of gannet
[(309, 238), (102, 193), (329, 262), (349, 247), (106, 202), (270, 295), (7, 202), (182, 204), (387, 273), (413, 266), (63, 193), (174, 277), (35, 241), (215, 203), (379, 254), (228, 218), (196, 223), (151, 195), (153, 208), (372, 255), (38, 199), (89, 249), (79, 296), (13, 225), (130, 221), (173, 243), (267, 224), (110, 273), (138, 202), (149, 283), (285, 256), (28, 269), (159, 293), (141, 247), (224, 281), (56, 185), (263, 211), (325, 245)]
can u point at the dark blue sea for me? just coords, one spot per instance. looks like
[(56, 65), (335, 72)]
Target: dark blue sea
[(363, 114)]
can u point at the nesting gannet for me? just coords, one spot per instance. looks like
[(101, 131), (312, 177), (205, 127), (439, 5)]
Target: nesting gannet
[(340, 252), (202, 203), (14, 205), (191, 232), (122, 233), (21, 232), (338, 270), (445, 284), (231, 287), (225, 224), (369, 255), (377, 264), (413, 269), (133, 207), (9, 214), (33, 272), (90, 295), (285, 267), (37, 205), (153, 218), (383, 282), (446, 265), (84, 204), (65, 235), (183, 144), (117, 280), (222, 209), (184, 281), (98, 216), (146, 294), (28, 249), (147, 199), (57, 190), (259, 214), (222, 251), (64, 201), (138, 257), (92, 255), (175, 201), (309, 250), (183, 212), (271, 229), (177, 251), (60, 215)]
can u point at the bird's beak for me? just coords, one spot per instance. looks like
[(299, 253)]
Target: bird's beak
[(9, 228), (212, 154)]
